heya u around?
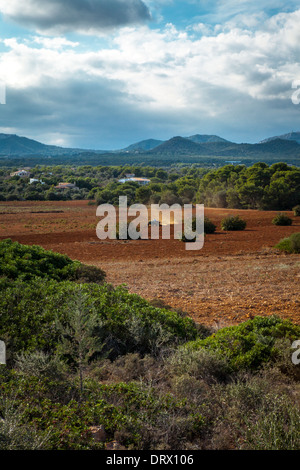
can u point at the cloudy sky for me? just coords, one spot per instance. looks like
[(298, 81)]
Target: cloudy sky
[(103, 74)]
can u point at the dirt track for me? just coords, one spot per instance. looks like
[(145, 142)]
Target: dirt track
[(236, 276)]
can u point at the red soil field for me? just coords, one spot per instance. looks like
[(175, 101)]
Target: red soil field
[(236, 275)]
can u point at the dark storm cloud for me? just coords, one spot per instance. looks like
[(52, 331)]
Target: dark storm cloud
[(75, 15)]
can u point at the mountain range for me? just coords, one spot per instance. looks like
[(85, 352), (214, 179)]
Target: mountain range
[(282, 147)]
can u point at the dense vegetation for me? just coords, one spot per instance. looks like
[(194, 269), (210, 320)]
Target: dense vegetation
[(275, 187), (28, 262), (86, 354)]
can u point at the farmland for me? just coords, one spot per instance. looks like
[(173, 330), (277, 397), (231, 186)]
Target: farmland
[(236, 276)]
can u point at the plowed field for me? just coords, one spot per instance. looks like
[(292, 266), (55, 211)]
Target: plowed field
[(236, 275)]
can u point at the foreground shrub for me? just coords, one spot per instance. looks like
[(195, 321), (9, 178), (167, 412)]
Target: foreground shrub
[(282, 219), (276, 426), (14, 433), (250, 344), (254, 412), (40, 364), (27, 262), (134, 413), (202, 364), (233, 222), (290, 245), (30, 310), (296, 210)]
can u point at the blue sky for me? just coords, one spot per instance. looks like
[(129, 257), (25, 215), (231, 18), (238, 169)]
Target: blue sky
[(103, 74)]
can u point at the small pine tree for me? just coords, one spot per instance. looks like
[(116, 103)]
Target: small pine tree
[(79, 339)]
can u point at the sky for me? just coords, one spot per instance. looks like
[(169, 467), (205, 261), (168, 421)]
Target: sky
[(103, 74)]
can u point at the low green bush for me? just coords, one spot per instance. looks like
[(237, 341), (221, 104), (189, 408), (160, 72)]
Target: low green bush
[(296, 210), (290, 244), (282, 219), (209, 227), (233, 222), (26, 262), (250, 344), (29, 312)]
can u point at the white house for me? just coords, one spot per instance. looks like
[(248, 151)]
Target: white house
[(34, 180), (21, 174), (141, 181)]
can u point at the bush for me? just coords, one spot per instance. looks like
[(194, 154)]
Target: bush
[(296, 210), (39, 364), (29, 312), (250, 344), (85, 273), (282, 219), (209, 227), (290, 245), (276, 426), (202, 364), (233, 222), (27, 262)]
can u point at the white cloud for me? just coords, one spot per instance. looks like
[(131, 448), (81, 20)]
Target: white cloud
[(156, 79)]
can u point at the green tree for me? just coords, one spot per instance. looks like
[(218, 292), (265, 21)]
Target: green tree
[(79, 335), (143, 195)]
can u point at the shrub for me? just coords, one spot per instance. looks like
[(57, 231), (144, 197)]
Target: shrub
[(202, 364), (14, 434), (290, 245), (85, 273), (209, 227), (27, 262), (233, 222), (29, 311), (282, 219), (276, 426), (296, 210), (39, 364), (250, 344), (295, 242)]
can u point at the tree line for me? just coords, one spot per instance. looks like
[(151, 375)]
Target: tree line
[(263, 187)]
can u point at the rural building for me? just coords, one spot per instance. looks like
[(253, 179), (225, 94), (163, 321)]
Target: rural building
[(34, 180), (66, 186), (21, 174), (141, 181)]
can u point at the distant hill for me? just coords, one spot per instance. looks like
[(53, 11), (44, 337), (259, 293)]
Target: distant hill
[(290, 136), (179, 145), (203, 139), (13, 145), (148, 144)]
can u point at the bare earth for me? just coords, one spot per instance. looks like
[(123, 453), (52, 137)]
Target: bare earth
[(236, 276)]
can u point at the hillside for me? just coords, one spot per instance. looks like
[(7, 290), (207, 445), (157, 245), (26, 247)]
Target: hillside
[(14, 145), (290, 136), (180, 146), (277, 148), (148, 144), (203, 139)]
